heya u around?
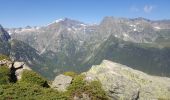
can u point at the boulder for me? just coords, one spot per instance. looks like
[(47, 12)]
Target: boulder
[(61, 82), (124, 83), (20, 67)]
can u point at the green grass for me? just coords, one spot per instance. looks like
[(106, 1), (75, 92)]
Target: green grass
[(70, 73), (4, 75), (4, 57), (32, 77)]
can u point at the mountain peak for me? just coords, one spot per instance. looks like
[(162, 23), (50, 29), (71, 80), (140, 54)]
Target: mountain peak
[(59, 20), (66, 22)]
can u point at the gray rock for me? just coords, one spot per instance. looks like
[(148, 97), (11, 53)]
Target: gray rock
[(83, 97), (20, 66), (122, 82), (61, 82), (5, 62)]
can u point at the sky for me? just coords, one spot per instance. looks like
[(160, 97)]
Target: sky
[(20, 13)]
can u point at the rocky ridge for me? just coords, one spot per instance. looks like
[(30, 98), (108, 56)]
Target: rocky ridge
[(122, 82)]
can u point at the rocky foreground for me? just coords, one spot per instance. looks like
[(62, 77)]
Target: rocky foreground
[(122, 82)]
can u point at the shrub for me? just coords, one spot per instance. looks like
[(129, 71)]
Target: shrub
[(26, 91), (93, 89), (32, 77), (71, 74), (31, 87), (4, 75), (76, 88)]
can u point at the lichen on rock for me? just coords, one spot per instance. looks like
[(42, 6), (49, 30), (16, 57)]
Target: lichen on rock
[(125, 83)]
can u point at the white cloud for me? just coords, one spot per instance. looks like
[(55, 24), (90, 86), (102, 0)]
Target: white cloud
[(148, 8), (134, 9)]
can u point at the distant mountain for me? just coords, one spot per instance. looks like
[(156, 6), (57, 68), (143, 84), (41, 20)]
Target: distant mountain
[(20, 51), (139, 56), (4, 36), (68, 44)]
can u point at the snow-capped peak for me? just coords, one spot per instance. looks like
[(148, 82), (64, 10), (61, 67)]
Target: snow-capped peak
[(59, 20), (56, 21)]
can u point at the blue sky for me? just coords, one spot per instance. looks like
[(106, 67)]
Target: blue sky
[(20, 13)]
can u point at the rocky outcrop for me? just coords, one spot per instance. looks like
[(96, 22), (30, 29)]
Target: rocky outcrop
[(122, 82), (61, 82), (18, 68)]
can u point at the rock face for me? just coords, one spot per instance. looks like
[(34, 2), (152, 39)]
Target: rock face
[(122, 82), (4, 36), (61, 82)]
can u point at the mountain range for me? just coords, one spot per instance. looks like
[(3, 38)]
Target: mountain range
[(71, 45)]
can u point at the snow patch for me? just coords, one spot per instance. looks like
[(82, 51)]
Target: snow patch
[(125, 35), (157, 27), (37, 28), (9, 32), (83, 25), (69, 29), (116, 35), (132, 25), (56, 21), (59, 20)]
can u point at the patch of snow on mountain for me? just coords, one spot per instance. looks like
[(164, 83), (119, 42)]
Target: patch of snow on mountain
[(132, 25), (125, 35), (157, 27), (83, 25), (37, 28), (56, 21), (9, 32), (116, 36), (59, 20), (69, 29)]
